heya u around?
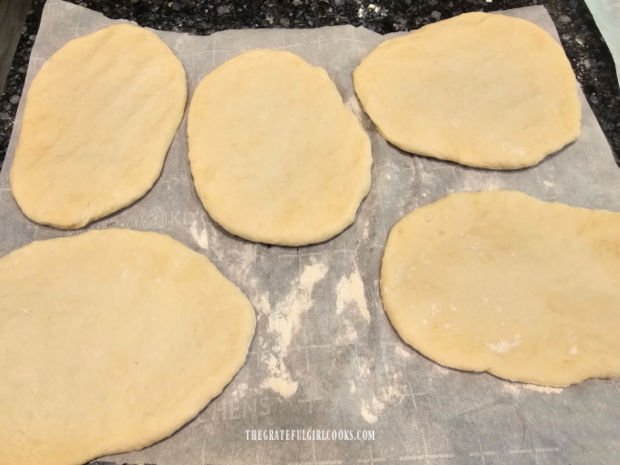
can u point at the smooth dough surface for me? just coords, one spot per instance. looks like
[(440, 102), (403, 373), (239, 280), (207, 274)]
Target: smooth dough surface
[(501, 282), (99, 118), (479, 89), (275, 154), (110, 341)]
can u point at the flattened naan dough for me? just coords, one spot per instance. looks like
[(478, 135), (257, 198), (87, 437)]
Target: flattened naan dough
[(275, 154), (99, 118), (110, 341), (479, 89), (501, 282)]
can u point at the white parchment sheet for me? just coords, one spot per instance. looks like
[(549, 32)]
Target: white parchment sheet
[(324, 355)]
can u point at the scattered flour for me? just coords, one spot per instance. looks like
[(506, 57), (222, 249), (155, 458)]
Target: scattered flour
[(262, 304), (517, 388), (280, 380), (366, 230), (372, 407), (402, 351), (352, 386), (350, 294), (200, 236), (375, 392), (543, 389), (474, 181), (367, 413), (353, 104), (511, 388), (503, 346), (239, 390), (440, 369), (347, 334), (283, 323), (242, 260), (363, 366), (238, 262)]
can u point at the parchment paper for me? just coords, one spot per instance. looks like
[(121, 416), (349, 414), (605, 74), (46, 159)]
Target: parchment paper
[(324, 355)]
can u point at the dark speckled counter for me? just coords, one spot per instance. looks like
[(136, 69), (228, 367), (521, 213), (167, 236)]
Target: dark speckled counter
[(580, 37)]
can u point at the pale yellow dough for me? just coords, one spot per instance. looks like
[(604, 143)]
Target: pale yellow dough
[(99, 118), (479, 89), (501, 282), (275, 154), (110, 341)]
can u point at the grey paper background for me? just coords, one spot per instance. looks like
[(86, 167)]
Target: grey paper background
[(324, 354)]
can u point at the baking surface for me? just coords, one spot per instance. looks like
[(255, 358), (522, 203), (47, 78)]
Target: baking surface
[(324, 355)]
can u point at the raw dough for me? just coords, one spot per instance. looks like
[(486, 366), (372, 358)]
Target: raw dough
[(275, 154), (99, 118), (499, 281), (479, 89), (110, 341)]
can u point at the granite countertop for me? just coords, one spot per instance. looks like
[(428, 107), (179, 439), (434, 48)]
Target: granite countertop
[(584, 45)]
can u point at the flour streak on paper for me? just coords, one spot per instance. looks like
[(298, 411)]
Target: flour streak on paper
[(441, 370), (373, 405), (238, 263), (347, 333), (239, 391), (201, 237), (350, 294), (373, 392), (543, 389), (283, 323), (402, 351), (517, 388)]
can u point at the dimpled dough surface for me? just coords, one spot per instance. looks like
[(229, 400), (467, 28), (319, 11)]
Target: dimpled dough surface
[(98, 121), (275, 154), (501, 282), (479, 89), (110, 341)]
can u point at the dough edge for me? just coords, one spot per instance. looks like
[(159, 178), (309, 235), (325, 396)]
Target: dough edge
[(407, 336), (465, 159), (158, 434), (148, 182), (335, 228)]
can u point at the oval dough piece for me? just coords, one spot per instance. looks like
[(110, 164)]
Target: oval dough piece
[(99, 117), (275, 154), (501, 282), (479, 89), (110, 341)]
